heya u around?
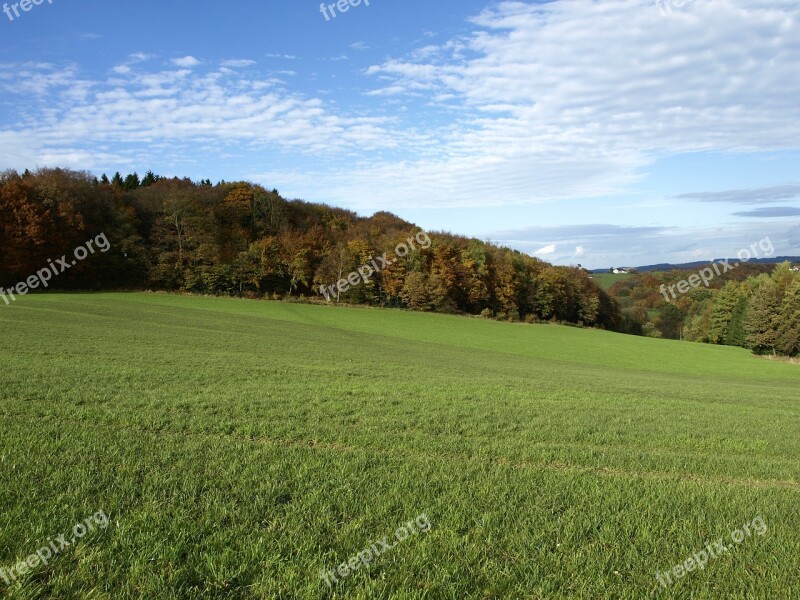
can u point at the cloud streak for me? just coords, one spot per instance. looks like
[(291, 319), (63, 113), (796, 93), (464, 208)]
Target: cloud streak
[(778, 193), (770, 212)]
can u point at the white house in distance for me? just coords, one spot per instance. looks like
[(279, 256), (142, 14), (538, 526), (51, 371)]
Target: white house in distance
[(619, 271)]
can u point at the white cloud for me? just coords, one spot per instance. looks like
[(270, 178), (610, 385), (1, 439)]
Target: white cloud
[(16, 149), (546, 250), (159, 111), (133, 59), (138, 57), (237, 63), (575, 98), (186, 62), (541, 102)]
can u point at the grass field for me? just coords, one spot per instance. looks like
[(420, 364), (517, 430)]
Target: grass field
[(606, 280), (239, 448)]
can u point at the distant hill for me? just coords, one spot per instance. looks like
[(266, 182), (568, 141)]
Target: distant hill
[(240, 239), (700, 264)]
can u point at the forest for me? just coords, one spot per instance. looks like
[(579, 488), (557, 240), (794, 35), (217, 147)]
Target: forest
[(756, 307), (240, 239)]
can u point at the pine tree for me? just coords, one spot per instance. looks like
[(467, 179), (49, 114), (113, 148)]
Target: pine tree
[(149, 179), (116, 181), (132, 182), (725, 303), (104, 179), (762, 317), (789, 329), (736, 335)]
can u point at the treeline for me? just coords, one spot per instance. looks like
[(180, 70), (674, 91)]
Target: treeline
[(757, 306), (241, 239)]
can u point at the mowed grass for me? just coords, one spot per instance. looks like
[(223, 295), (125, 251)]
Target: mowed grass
[(239, 448)]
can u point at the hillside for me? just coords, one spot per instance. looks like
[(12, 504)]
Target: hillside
[(240, 449), (239, 239)]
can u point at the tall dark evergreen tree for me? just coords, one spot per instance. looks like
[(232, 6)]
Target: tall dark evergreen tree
[(131, 182), (149, 179), (736, 334), (762, 316), (788, 341), (725, 303)]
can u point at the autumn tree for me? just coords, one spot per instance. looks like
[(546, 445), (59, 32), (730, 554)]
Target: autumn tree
[(240, 239), (415, 291)]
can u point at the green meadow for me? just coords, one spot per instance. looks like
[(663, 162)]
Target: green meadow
[(240, 448), (606, 280)]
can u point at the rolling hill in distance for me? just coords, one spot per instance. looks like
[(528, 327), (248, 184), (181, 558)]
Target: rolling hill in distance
[(693, 266)]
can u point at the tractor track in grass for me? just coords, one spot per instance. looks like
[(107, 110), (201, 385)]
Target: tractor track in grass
[(317, 445)]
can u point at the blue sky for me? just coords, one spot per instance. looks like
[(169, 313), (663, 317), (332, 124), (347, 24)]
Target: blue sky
[(602, 133)]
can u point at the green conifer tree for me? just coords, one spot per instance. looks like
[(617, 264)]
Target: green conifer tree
[(788, 342), (762, 317)]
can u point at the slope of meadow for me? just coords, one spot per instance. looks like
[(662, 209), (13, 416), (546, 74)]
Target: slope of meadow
[(239, 448)]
